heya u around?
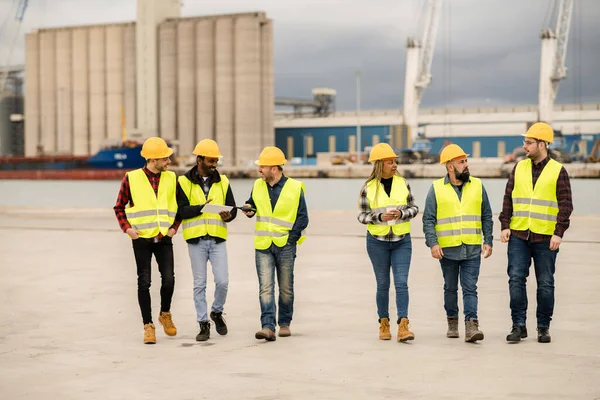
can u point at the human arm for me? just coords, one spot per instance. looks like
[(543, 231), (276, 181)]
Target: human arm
[(429, 221), (410, 210), (123, 199), (301, 222), (487, 225), (507, 208), (565, 208)]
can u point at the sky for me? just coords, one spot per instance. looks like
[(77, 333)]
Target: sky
[(487, 52)]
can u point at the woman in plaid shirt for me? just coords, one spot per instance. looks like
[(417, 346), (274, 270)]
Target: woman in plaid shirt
[(386, 205)]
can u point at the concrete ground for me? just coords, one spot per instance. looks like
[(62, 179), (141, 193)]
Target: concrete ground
[(71, 327)]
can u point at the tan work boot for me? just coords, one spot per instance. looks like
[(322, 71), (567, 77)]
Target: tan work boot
[(267, 334), (403, 333), (384, 329), (167, 322), (149, 334), (472, 332), (452, 327), (284, 331)]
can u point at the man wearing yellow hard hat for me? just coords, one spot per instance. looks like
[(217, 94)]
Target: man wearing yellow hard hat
[(146, 209), (456, 221), (281, 220), (206, 232), (535, 215), (386, 205)]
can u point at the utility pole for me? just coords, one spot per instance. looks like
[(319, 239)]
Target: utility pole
[(358, 136)]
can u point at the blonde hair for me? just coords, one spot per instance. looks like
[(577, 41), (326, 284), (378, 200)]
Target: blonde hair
[(376, 174)]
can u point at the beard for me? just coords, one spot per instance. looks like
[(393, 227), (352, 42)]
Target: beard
[(463, 176)]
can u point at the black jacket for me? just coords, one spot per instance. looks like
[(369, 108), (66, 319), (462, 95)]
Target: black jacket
[(187, 211)]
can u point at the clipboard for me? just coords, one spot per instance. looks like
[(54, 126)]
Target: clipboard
[(215, 208)]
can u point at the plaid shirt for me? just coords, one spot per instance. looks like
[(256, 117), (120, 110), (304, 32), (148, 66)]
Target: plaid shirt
[(124, 198), (366, 216), (563, 196)]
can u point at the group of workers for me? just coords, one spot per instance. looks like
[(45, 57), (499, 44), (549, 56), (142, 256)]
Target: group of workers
[(153, 203), (457, 223)]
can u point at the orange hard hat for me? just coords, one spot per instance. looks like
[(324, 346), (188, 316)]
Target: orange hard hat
[(271, 156), (381, 151), (155, 147), (207, 148), (451, 152)]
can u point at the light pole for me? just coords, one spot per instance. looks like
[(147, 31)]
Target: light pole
[(358, 136)]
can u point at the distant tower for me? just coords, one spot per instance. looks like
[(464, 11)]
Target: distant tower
[(150, 13)]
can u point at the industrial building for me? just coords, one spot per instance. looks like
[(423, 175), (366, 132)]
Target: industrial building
[(183, 79), (482, 132)]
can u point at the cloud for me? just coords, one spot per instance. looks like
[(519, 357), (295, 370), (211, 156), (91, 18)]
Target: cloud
[(487, 51)]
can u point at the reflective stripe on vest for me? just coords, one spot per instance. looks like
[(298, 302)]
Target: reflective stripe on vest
[(205, 223), (273, 226), (151, 213), (379, 202), (535, 208), (458, 221)]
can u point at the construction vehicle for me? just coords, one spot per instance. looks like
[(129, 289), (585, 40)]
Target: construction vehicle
[(594, 155)]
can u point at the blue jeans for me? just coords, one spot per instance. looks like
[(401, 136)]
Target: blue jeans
[(200, 253), (278, 260), (520, 253), (468, 270), (395, 256)]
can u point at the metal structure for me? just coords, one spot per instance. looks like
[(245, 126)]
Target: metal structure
[(552, 66), (419, 56), (12, 32), (322, 104)]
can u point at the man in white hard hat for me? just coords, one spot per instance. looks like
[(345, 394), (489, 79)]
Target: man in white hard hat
[(456, 221)]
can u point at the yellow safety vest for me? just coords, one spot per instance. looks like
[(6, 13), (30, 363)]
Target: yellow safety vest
[(379, 202), (458, 222), (152, 213), (535, 209), (273, 226), (205, 223)]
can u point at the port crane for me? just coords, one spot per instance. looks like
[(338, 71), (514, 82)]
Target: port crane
[(419, 56), (9, 35), (552, 65)]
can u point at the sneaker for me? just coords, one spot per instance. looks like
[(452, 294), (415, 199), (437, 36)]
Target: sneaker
[(384, 329), (516, 334), (284, 331), (149, 334), (267, 334), (166, 321), (219, 321), (403, 333), (204, 333)]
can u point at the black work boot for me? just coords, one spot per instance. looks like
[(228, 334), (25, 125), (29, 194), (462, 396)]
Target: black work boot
[(220, 325), (543, 335), (204, 331), (516, 334)]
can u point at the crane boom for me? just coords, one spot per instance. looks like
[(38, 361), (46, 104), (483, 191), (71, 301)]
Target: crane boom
[(419, 57), (15, 30), (552, 67)]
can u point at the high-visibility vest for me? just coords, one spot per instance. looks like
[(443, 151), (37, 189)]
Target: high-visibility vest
[(205, 223), (273, 226), (535, 209), (458, 222), (152, 213), (379, 202)]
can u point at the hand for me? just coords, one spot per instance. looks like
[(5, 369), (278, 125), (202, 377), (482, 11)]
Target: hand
[(171, 232), (225, 215), (133, 234), (555, 241), (437, 252), (487, 250), (505, 235), (248, 213), (390, 215)]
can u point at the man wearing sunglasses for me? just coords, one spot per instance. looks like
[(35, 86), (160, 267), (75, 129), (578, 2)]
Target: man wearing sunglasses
[(535, 214)]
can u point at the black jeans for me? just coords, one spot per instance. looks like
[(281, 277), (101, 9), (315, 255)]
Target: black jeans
[(163, 252)]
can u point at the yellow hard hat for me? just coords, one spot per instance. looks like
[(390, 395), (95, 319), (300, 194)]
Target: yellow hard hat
[(541, 131), (451, 152), (271, 156), (207, 148), (155, 147), (381, 151)]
